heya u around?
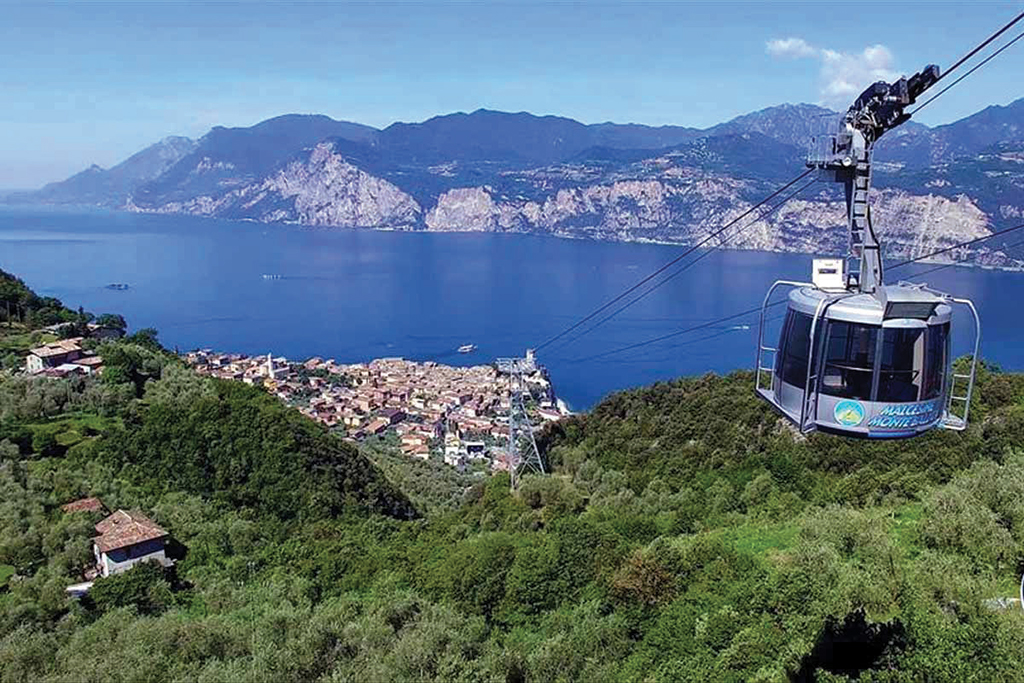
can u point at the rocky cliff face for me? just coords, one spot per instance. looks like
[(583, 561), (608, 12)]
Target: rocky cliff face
[(490, 171), (329, 191), (685, 213), (322, 190)]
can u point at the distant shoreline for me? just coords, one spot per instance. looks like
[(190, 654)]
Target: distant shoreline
[(76, 208)]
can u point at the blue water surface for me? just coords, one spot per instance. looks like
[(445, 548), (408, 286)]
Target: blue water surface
[(355, 295)]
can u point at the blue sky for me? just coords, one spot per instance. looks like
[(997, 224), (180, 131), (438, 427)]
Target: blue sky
[(92, 83)]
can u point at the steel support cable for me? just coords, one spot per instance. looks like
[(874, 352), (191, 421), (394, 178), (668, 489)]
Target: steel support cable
[(958, 246), (671, 263), (636, 360), (684, 267), (712, 323), (957, 263), (979, 48), (671, 335), (973, 69), (720, 333)]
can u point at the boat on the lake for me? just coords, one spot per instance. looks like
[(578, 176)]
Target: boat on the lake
[(467, 348), (119, 286)]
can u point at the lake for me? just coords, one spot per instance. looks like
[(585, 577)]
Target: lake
[(354, 295)]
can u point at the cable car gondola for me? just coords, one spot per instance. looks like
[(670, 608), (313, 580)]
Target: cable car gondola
[(857, 357)]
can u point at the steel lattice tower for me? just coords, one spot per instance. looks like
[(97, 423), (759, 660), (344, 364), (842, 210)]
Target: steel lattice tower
[(522, 452)]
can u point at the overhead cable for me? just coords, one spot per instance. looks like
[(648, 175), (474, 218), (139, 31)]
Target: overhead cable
[(674, 261), (686, 266), (757, 309), (958, 246), (980, 47), (957, 263), (973, 69)]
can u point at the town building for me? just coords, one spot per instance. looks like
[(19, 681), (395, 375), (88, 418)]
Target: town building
[(550, 414), (89, 362), (377, 426), (421, 452), (97, 331), (456, 459)]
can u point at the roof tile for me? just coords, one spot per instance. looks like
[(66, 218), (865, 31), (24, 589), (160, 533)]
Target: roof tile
[(123, 529)]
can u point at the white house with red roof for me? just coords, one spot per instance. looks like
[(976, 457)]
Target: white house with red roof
[(126, 538), (62, 358), (54, 354)]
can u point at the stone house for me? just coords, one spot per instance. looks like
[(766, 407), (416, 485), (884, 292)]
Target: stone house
[(53, 355), (126, 538)]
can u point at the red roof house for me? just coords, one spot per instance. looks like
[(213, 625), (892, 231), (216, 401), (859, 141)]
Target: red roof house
[(126, 538)]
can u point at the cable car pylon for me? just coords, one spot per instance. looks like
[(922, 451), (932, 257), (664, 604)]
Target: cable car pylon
[(521, 452), (855, 356)]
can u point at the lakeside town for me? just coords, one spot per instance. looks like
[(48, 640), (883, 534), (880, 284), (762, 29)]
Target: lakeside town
[(458, 414), (424, 409)]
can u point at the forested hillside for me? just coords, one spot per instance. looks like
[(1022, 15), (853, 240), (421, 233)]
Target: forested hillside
[(686, 535), (19, 305)]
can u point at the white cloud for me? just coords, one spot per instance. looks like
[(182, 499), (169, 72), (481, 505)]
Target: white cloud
[(843, 75), (790, 47)]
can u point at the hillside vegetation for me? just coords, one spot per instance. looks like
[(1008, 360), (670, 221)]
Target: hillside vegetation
[(685, 535)]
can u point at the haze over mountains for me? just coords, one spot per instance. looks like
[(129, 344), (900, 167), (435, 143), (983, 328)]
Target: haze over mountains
[(496, 171)]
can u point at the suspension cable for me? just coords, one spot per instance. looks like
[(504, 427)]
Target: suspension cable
[(674, 261), (976, 50), (685, 266), (973, 69), (713, 323), (959, 246), (956, 263)]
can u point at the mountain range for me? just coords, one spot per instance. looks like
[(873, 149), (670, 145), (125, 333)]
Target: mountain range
[(498, 171)]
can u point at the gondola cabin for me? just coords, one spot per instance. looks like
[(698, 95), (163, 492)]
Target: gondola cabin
[(865, 365)]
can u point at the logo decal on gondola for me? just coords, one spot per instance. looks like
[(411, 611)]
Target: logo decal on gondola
[(901, 416), (849, 413)]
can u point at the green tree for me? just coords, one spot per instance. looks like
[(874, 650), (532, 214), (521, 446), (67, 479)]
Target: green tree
[(129, 361), (112, 321), (144, 586), (146, 337)]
